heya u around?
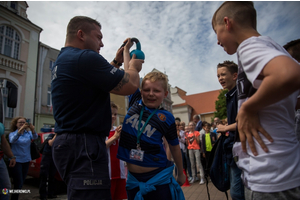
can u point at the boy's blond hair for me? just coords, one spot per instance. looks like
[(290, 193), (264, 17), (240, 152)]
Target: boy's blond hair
[(156, 76), (242, 12)]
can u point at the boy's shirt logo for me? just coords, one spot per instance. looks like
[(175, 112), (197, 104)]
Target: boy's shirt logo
[(161, 117), (134, 121)]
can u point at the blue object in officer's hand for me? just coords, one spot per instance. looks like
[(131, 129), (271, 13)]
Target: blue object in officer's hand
[(138, 52)]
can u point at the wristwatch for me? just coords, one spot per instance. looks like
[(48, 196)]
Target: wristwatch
[(12, 157), (117, 63)]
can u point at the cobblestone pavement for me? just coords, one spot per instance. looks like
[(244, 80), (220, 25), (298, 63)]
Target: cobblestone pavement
[(192, 192)]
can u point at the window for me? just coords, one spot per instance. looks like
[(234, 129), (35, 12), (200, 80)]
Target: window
[(8, 112), (14, 5), (49, 101), (9, 42), (51, 64)]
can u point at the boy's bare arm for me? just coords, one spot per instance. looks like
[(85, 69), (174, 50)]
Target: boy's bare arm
[(116, 136), (176, 154), (223, 129), (281, 78)]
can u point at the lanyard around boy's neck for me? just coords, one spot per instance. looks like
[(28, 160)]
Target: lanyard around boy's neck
[(143, 128)]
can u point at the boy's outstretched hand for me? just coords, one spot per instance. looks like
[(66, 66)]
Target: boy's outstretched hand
[(248, 126), (118, 132)]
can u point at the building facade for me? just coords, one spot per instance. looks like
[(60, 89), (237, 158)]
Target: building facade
[(43, 104), (25, 64), (19, 41), (186, 106)]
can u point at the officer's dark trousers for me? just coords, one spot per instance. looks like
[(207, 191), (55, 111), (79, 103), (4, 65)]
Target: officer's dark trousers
[(82, 162)]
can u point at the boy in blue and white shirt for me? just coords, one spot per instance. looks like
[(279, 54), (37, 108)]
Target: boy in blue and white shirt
[(141, 143)]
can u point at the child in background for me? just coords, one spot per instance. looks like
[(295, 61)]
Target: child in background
[(181, 138), (227, 76), (193, 141), (202, 132), (117, 171), (186, 130), (208, 141), (268, 85), (150, 173), (181, 126), (187, 157)]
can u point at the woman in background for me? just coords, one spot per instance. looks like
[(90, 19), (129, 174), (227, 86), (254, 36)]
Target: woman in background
[(20, 138)]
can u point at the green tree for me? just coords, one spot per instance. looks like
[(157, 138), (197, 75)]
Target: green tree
[(221, 110)]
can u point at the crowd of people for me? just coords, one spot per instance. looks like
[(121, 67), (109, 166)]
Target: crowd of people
[(261, 143)]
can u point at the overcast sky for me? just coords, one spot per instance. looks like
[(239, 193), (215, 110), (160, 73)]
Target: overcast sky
[(176, 37)]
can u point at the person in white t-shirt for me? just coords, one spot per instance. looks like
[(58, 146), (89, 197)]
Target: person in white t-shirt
[(268, 84), (117, 169)]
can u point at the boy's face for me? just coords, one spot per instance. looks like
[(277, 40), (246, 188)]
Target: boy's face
[(207, 129), (226, 79), (114, 114), (153, 93), (225, 38)]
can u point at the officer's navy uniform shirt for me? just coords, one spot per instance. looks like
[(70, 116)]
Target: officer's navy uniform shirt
[(81, 82)]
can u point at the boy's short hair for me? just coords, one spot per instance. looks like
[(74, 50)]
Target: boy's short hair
[(113, 105), (242, 12), (207, 124), (293, 47), (86, 24), (230, 65), (156, 76), (177, 118)]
